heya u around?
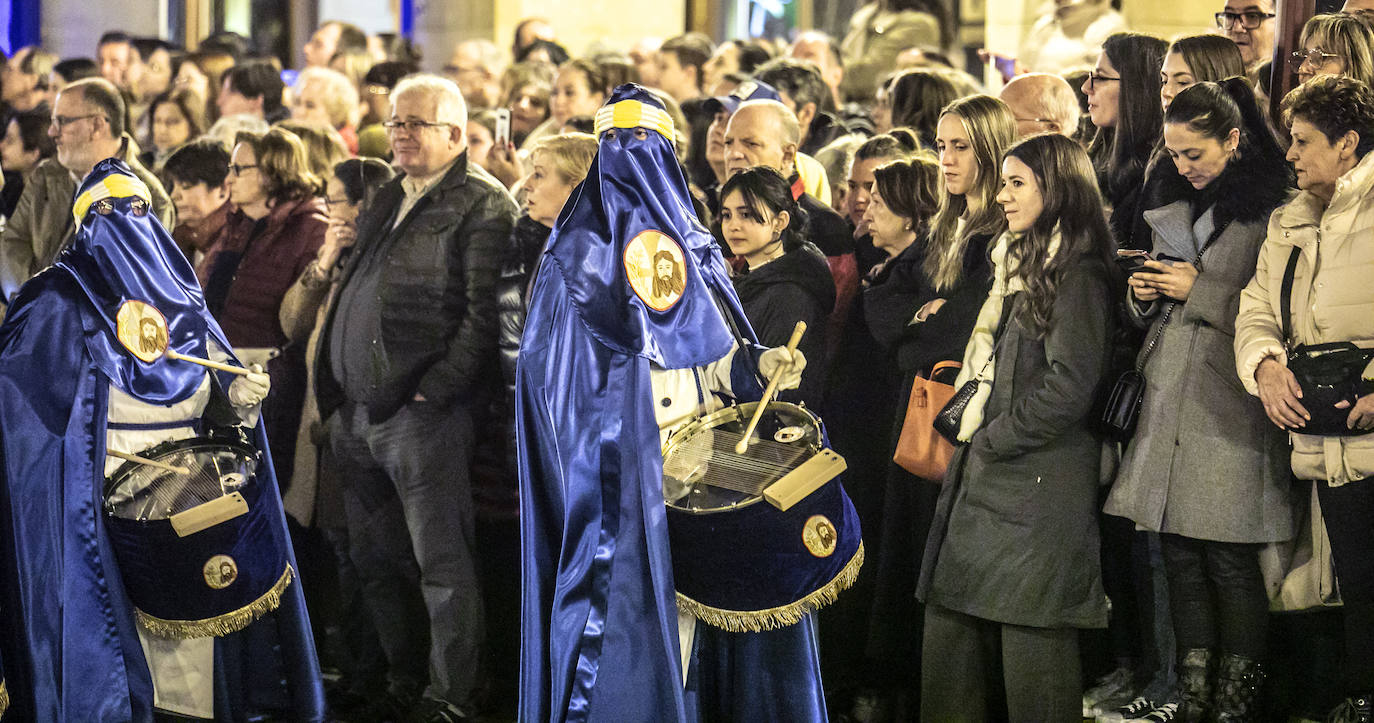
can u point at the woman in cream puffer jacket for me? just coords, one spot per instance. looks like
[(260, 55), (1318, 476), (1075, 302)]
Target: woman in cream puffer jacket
[(1332, 223)]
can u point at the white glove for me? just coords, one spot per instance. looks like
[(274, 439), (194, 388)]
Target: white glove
[(785, 366), (250, 389)]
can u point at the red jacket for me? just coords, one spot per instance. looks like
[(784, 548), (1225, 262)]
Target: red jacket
[(272, 262)]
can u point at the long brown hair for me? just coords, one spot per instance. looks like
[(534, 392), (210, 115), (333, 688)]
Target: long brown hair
[(1073, 208), (991, 129)]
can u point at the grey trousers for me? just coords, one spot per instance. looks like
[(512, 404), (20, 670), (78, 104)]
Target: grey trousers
[(1040, 676), (408, 503)]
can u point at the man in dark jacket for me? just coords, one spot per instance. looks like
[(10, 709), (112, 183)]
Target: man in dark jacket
[(404, 351)]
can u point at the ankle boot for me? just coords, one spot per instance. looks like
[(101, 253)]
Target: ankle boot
[(1238, 689), (1195, 685)]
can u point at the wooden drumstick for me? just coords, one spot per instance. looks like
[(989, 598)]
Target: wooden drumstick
[(145, 460), (770, 391), (173, 355)]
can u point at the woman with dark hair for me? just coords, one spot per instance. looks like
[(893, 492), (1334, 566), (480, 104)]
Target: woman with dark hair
[(1204, 468), (1011, 569), (1321, 241), (178, 117), (916, 98), (785, 278), (25, 143), (276, 229), (1124, 102), (579, 89)]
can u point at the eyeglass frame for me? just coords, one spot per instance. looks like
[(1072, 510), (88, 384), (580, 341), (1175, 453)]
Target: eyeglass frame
[(1225, 20), (1093, 78), (237, 169), (413, 126), (1300, 57), (1037, 120), (62, 121), (330, 203)]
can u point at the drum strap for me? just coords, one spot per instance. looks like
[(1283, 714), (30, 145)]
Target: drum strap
[(154, 426), (740, 341)]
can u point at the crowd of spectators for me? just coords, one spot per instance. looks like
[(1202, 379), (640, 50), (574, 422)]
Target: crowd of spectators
[(370, 232)]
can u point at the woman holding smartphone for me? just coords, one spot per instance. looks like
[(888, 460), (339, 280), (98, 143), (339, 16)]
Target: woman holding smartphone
[(1011, 564), (1205, 468)]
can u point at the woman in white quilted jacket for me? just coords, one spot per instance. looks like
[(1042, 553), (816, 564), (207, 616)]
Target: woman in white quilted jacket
[(1332, 300)]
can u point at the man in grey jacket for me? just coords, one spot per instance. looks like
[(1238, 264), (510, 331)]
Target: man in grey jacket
[(404, 353), (88, 127)]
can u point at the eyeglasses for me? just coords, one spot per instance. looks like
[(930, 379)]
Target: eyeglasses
[(330, 203), (1316, 57), (1040, 120), (62, 121), (1094, 79), (238, 170), (378, 90), (412, 126), (1249, 20)]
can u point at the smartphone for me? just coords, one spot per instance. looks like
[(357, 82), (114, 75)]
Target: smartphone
[(502, 126), (1132, 261)]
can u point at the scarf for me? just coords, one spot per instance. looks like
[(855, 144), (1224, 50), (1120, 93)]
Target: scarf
[(980, 355)]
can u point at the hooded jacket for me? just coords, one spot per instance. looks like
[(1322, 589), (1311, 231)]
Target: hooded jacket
[(796, 286)]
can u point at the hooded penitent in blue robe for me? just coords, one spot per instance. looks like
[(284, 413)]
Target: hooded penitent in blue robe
[(599, 619), (67, 628)]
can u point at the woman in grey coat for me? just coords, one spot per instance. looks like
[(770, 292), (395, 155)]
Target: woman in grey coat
[(1011, 564), (1206, 469)]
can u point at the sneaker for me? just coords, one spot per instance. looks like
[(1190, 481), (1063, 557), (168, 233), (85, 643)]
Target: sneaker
[(1116, 684), (1355, 709), (1132, 711), (433, 710), (1162, 714)]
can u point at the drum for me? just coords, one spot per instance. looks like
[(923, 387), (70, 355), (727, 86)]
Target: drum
[(197, 548), (759, 539)]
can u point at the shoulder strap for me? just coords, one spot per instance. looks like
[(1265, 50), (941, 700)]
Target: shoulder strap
[(1286, 293)]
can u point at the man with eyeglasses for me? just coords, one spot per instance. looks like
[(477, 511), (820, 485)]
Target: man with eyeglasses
[(87, 127), (1250, 24), (404, 359)]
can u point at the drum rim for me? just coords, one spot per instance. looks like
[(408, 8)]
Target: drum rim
[(162, 449), (715, 419)]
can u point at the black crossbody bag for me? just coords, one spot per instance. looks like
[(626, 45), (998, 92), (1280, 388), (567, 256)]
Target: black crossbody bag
[(1122, 411), (1327, 373)]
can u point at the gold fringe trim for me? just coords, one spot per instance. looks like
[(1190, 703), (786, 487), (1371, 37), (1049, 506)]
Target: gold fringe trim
[(4, 698), (220, 625), (755, 621)]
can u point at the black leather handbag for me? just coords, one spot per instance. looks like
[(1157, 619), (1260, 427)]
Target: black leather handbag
[(1327, 373), (1122, 410), (948, 420)]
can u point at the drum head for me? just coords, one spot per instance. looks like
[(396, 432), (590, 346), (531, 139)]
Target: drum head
[(702, 473), (137, 491)]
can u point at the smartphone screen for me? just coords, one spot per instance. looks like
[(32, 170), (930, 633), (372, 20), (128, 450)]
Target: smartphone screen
[(502, 125), (1006, 66)]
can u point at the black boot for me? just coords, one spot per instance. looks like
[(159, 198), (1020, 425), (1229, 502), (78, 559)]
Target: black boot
[(1238, 689), (1195, 686), (1355, 709)]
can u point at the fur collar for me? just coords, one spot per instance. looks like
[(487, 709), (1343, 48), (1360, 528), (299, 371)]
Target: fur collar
[(1248, 190)]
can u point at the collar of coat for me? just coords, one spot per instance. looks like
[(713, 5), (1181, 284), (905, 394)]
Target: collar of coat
[(1351, 190), (1248, 190)]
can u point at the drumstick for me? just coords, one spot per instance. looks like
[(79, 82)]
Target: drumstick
[(173, 355), (772, 388), (145, 460)]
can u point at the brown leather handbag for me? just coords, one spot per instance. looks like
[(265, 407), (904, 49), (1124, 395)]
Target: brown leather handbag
[(921, 450)]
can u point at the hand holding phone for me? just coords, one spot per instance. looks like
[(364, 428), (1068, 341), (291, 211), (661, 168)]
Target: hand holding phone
[(502, 126), (1132, 261)]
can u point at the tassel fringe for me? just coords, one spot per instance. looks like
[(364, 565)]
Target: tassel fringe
[(4, 698), (220, 625), (755, 621)]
